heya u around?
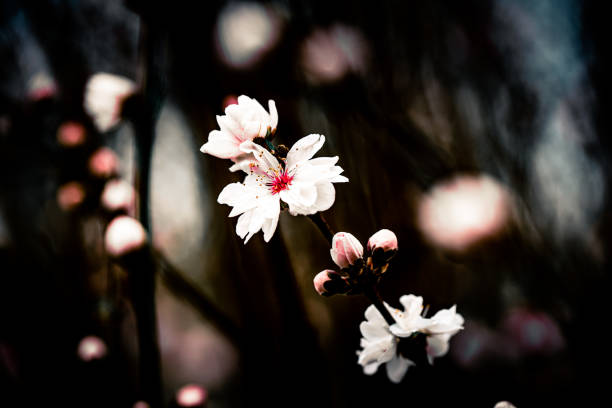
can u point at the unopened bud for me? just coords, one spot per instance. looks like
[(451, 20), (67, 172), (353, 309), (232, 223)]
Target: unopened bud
[(382, 246), (124, 234), (346, 249), (103, 163), (329, 282), (383, 239)]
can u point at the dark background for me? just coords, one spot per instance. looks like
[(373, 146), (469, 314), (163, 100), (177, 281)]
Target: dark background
[(517, 90)]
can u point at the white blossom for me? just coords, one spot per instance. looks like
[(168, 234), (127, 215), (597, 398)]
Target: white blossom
[(303, 183), (379, 346), (410, 320), (241, 123), (443, 325)]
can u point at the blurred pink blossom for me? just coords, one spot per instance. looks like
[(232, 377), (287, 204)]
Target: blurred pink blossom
[(460, 212), (191, 396), (71, 134), (103, 162), (70, 195), (91, 348)]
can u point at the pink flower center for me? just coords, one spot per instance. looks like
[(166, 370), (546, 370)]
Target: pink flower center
[(280, 182)]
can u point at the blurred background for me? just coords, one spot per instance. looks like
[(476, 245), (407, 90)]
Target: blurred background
[(475, 130)]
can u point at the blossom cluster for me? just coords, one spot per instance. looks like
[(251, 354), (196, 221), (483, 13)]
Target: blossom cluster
[(358, 268), (276, 177), (383, 343)]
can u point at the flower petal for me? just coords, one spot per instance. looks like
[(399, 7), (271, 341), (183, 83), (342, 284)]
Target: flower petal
[(326, 195), (304, 149), (221, 145), (273, 114), (397, 368), (266, 161)]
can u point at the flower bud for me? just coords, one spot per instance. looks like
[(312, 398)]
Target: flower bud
[(346, 249), (383, 239), (382, 246), (103, 163), (329, 282)]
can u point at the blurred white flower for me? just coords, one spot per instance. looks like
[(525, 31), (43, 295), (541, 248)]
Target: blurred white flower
[(245, 32), (305, 184), (346, 249), (104, 95), (465, 210), (442, 326), (91, 348), (379, 346), (242, 122)]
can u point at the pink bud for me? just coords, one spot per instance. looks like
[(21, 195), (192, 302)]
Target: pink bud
[(124, 234), (70, 195), (103, 162), (71, 134), (346, 249), (91, 348), (191, 396), (320, 280), (383, 239)]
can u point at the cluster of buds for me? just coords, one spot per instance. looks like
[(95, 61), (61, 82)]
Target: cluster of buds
[(358, 269)]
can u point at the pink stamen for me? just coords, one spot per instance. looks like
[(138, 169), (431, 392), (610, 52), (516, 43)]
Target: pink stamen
[(280, 182)]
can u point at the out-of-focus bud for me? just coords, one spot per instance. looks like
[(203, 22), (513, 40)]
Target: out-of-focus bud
[(504, 404), (41, 86), (141, 404), (118, 195), (91, 348), (70, 134), (103, 163), (191, 396), (346, 249), (124, 234), (70, 195), (329, 282), (104, 96)]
